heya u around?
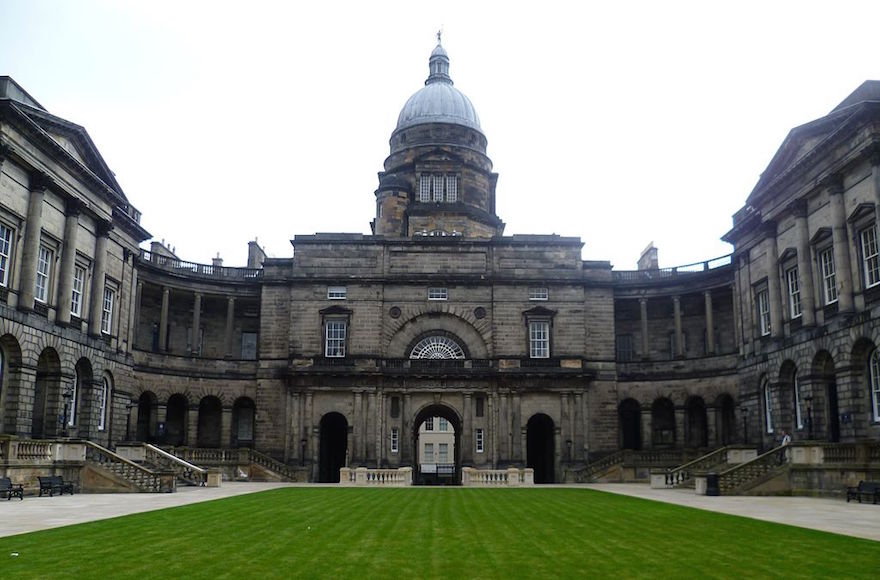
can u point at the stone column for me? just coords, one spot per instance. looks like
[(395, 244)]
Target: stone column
[(134, 310), (196, 323), (68, 261), (805, 268), (358, 422), (99, 267), (710, 324), (643, 310), (192, 426), (163, 319), (493, 428), (524, 442), (647, 438), (738, 314), (39, 182), (581, 442), (230, 320), (371, 417), (680, 435), (841, 246), (773, 288), (407, 453), (467, 428), (676, 310), (519, 453)]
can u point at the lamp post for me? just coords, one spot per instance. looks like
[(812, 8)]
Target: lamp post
[(809, 401), (745, 414), (67, 394)]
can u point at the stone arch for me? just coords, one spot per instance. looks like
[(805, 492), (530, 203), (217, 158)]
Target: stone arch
[(47, 395), (725, 419), (629, 413), (446, 411), (446, 345), (663, 422), (147, 417), (105, 401), (80, 402), (176, 420), (244, 412), (423, 324), (823, 409), (210, 422), (332, 446), (696, 422), (541, 447), (10, 382)]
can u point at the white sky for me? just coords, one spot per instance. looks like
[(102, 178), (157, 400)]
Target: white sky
[(618, 122)]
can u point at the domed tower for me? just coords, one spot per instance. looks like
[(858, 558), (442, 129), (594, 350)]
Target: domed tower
[(438, 180)]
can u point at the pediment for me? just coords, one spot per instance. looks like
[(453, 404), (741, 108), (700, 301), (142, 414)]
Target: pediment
[(863, 211), (539, 311), (820, 236), (787, 255), (335, 309)]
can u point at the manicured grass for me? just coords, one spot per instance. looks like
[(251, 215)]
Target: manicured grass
[(434, 533)]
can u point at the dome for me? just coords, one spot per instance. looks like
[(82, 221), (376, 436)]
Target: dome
[(438, 101)]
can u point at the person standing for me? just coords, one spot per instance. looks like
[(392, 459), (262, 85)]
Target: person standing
[(786, 439)]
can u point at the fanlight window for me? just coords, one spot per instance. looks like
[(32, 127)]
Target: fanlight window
[(437, 347)]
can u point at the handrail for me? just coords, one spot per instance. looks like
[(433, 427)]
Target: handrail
[(684, 472), (748, 471), (181, 468), (139, 475)]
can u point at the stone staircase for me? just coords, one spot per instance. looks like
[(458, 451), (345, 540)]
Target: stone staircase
[(683, 475), (745, 476), (615, 462), (137, 476), (241, 458), (185, 472)]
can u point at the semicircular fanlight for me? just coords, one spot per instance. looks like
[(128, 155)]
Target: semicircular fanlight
[(437, 347)]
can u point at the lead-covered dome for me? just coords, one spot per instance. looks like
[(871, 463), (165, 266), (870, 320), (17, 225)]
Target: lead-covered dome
[(438, 101)]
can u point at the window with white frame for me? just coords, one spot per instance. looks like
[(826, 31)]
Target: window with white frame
[(44, 265), (102, 404), (451, 188), (76, 293), (538, 293), (438, 293), (762, 298), (539, 339), (395, 439), (429, 424), (794, 292), (107, 312), (337, 292), (870, 256), (829, 278), (874, 375), (5, 253), (798, 411), (442, 424), (443, 453), (478, 437), (768, 407), (438, 188), (334, 341), (429, 453), (71, 404), (425, 188)]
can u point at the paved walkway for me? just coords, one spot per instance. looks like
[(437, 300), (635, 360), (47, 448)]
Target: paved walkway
[(829, 515)]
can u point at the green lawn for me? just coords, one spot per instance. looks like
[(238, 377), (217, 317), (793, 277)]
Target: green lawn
[(434, 533)]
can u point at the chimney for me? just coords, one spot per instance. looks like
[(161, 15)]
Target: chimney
[(256, 255), (217, 262), (649, 260)]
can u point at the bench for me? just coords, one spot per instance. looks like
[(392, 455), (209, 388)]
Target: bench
[(866, 489), (52, 483), (10, 489)]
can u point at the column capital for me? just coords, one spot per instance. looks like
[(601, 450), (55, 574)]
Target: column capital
[(103, 228), (707, 293), (833, 183), (39, 181), (643, 299), (676, 298), (5, 152), (872, 153), (72, 207), (798, 208)]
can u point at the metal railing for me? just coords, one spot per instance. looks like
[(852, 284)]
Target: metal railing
[(178, 266)]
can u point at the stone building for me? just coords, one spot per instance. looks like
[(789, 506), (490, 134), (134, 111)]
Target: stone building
[(533, 356)]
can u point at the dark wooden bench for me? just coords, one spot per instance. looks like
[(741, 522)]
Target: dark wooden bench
[(866, 489), (52, 483), (10, 489)]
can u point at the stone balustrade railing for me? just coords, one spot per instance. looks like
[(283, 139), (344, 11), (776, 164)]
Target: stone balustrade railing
[(362, 476), (183, 470), (510, 477)]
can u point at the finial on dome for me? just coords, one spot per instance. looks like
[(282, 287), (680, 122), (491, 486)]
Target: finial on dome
[(438, 65), (439, 32)]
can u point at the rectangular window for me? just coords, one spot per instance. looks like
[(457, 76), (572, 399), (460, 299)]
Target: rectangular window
[(438, 293), (451, 188), (76, 294), (478, 437), (763, 300), (870, 257), (794, 293), (768, 409), (425, 188), (337, 292), (395, 439), (539, 339), (625, 347), (443, 453), (5, 254), (70, 402), (249, 346), (429, 424), (438, 188), (798, 412), (102, 405), (442, 424), (334, 346), (41, 288), (107, 314), (829, 279), (539, 293), (429, 453), (480, 407)]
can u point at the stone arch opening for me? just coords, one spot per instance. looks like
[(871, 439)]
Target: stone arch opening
[(541, 447), (630, 418), (441, 324), (176, 420), (440, 468), (210, 422), (10, 381), (147, 418), (790, 405), (77, 404), (333, 447), (105, 404), (663, 423), (725, 413), (822, 403), (243, 418), (47, 394), (696, 425)]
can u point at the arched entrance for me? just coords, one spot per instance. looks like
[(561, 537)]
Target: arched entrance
[(823, 367), (10, 365), (697, 431), (46, 395), (147, 417), (210, 422), (725, 419), (630, 416), (175, 420), (663, 423), (541, 448), (243, 412), (333, 447), (437, 446)]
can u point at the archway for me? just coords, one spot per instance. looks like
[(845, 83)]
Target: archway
[(147, 418), (725, 419), (437, 446), (175, 420), (243, 414), (10, 383), (824, 387), (697, 431), (630, 417), (333, 447), (210, 422), (541, 447), (663, 423), (46, 394)]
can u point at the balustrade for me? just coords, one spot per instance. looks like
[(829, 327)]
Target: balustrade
[(361, 476)]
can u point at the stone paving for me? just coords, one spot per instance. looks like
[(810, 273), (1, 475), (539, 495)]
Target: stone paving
[(830, 515)]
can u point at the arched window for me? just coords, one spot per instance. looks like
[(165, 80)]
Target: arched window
[(71, 396), (768, 407), (437, 347), (798, 412), (874, 375), (103, 403)]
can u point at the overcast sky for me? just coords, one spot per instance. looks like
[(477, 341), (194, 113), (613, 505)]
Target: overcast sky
[(618, 122)]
